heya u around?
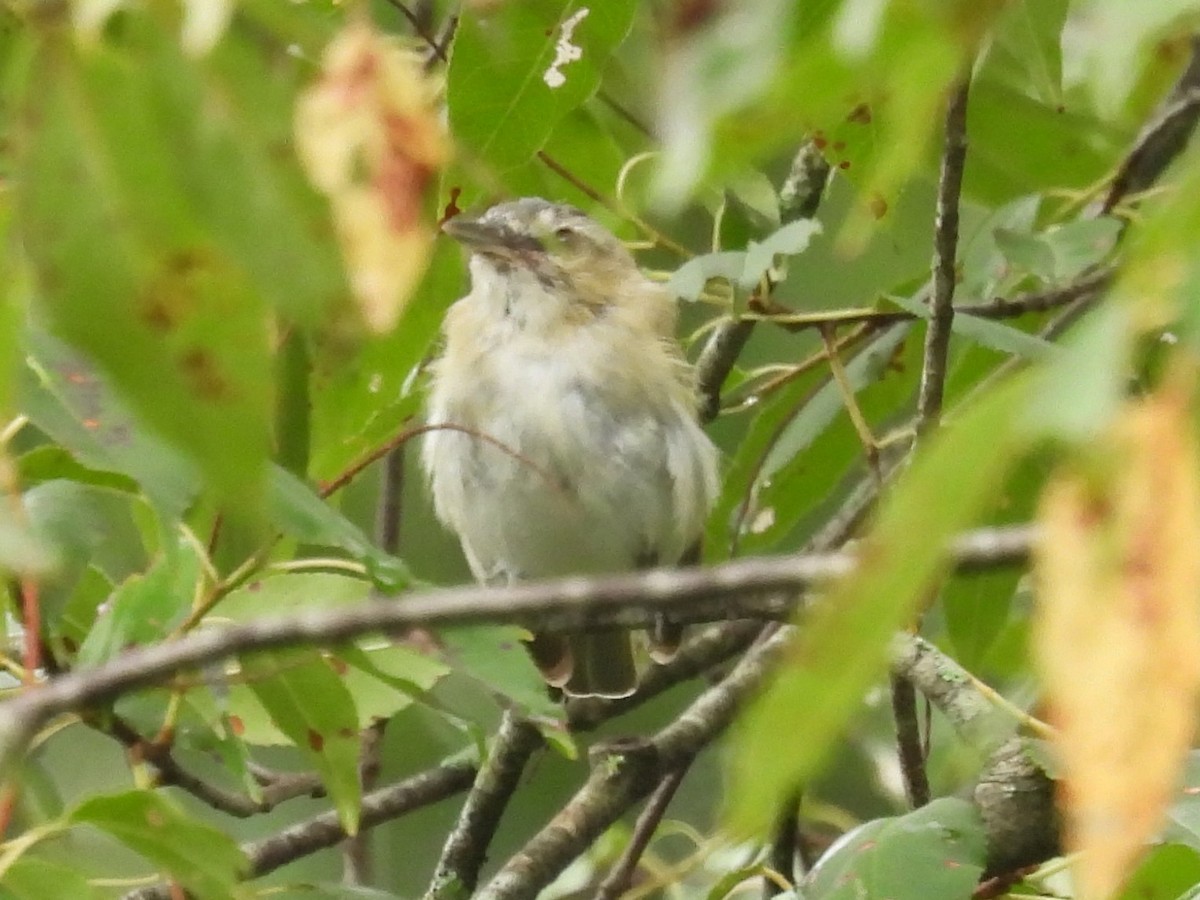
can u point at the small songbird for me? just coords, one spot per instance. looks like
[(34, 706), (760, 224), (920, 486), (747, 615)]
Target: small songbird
[(573, 445)]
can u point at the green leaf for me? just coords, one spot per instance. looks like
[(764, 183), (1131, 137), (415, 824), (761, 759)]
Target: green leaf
[(730, 881), (246, 181), (1166, 873), (117, 235), (384, 680), (983, 608), (1079, 245), (842, 647), (513, 76), (936, 851), (985, 270), (495, 656), (64, 396), (82, 526), (309, 703), (1183, 818), (743, 469), (287, 593), (794, 487), (743, 269), (828, 402), (203, 859), (1025, 50), (50, 462), (1114, 38), (145, 607), (1077, 394), (1020, 144), (996, 335), (715, 66), (789, 240), (297, 511), (361, 402), (14, 292), (1027, 252), (34, 878)]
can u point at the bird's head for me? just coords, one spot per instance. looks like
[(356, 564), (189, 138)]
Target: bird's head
[(531, 246)]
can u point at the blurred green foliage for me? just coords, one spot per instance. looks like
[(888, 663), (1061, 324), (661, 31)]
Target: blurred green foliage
[(183, 374)]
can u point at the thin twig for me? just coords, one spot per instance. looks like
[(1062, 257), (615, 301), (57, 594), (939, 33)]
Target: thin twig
[(620, 877), (420, 29), (325, 829), (909, 743), (168, 771), (390, 507), (465, 851), (357, 863), (782, 856), (800, 198), (861, 427), (1086, 286), (945, 260)]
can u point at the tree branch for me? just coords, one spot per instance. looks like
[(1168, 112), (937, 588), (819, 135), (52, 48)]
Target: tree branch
[(750, 588), (799, 197), (910, 747), (324, 829), (620, 877), (945, 260), (950, 688), (465, 852), (170, 772), (1163, 138), (627, 773)]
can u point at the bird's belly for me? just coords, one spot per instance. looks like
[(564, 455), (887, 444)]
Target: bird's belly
[(564, 478)]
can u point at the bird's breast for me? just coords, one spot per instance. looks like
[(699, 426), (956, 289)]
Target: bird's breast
[(561, 465)]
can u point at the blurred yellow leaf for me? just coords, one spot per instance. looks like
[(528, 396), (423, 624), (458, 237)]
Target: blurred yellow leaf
[(204, 22), (1118, 635), (370, 138)]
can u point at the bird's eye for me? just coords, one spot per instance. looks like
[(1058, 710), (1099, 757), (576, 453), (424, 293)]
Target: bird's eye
[(565, 233)]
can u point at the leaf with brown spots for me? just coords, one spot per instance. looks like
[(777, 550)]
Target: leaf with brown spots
[(371, 140), (309, 703), (131, 267)]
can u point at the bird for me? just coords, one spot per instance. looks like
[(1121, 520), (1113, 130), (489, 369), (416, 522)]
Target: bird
[(563, 430)]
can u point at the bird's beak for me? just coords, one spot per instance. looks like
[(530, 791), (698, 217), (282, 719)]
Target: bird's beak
[(489, 237)]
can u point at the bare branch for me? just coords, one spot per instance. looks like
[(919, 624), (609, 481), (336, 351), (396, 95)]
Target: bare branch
[(170, 772), (749, 588), (620, 877), (909, 745), (628, 772), (1163, 138), (325, 830), (784, 841), (465, 852), (950, 688), (945, 259)]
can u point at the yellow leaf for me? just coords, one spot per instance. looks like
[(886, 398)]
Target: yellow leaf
[(370, 138), (1117, 635)]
